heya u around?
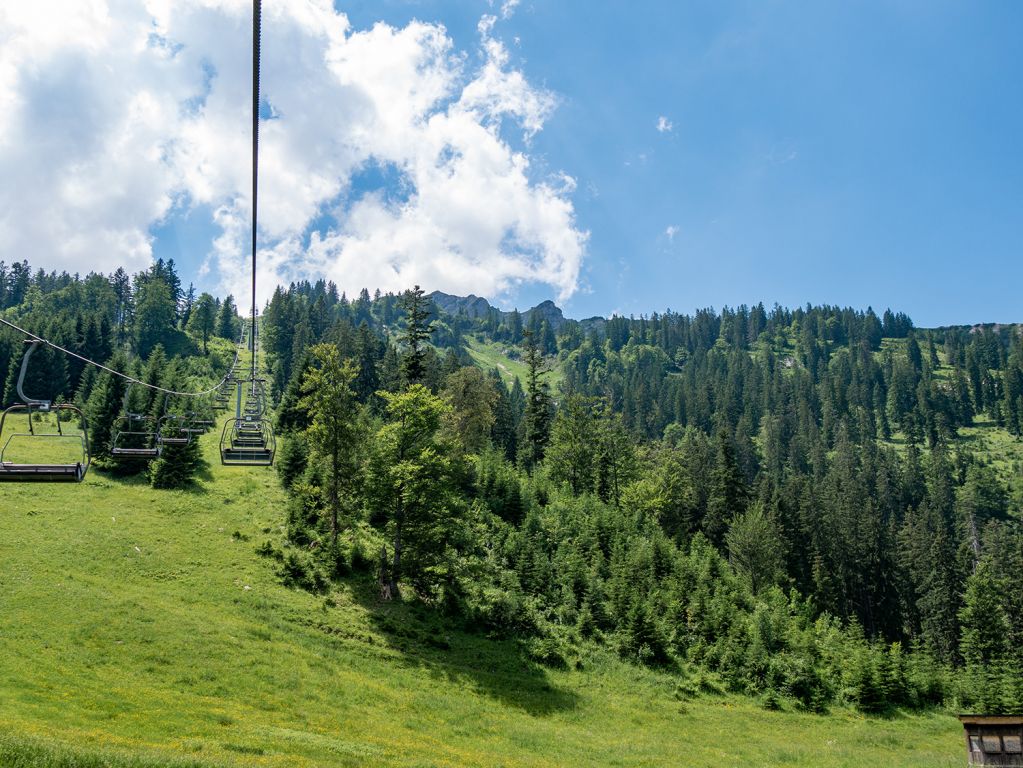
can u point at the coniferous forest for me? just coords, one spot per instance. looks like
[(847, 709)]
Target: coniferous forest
[(815, 506)]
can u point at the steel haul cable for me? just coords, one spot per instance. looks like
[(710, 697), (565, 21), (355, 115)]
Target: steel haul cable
[(256, 14), (108, 369)]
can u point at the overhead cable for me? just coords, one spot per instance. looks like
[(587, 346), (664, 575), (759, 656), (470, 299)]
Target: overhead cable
[(124, 376)]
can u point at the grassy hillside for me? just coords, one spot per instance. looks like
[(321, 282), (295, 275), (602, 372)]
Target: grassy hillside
[(985, 438), (491, 354), (141, 628), (1003, 451)]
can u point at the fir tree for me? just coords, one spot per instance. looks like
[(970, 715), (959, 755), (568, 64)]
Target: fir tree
[(177, 465), (417, 333), (155, 316), (202, 320), (573, 444), (755, 548), (104, 406)]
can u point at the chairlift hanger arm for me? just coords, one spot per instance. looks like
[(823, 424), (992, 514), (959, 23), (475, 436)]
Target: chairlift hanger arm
[(42, 405)]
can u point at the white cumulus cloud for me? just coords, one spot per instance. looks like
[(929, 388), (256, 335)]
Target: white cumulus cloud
[(664, 125), (126, 113), (508, 8)]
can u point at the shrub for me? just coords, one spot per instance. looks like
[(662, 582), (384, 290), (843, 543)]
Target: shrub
[(547, 651), (177, 466), (292, 459), (299, 569)]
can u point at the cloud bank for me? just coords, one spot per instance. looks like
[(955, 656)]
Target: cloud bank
[(125, 114)]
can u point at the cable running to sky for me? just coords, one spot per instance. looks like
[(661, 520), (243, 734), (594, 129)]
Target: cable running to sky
[(256, 13)]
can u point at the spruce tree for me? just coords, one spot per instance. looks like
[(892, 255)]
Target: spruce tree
[(572, 452), (728, 491), (155, 316), (615, 459), (335, 433), (538, 411), (177, 465), (104, 406), (202, 320), (503, 432), (227, 320), (292, 414), (367, 356), (755, 548)]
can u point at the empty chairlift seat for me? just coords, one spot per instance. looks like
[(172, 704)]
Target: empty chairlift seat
[(172, 431), (42, 468), (136, 437), (247, 442), (196, 424)]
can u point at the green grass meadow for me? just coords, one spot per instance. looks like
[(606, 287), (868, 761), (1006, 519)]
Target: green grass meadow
[(490, 354), (141, 628)]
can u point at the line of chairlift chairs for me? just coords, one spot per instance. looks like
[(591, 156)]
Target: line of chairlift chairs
[(246, 440)]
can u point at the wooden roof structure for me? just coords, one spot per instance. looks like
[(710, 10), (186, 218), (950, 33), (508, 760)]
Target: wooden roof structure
[(994, 739)]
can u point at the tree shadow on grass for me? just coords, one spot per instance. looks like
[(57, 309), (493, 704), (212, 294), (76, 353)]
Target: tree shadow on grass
[(204, 471), (129, 473), (450, 650)]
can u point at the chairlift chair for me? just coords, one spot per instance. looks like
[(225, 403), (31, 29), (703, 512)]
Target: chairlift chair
[(195, 424), (172, 431), (10, 471), (247, 443), (136, 436)]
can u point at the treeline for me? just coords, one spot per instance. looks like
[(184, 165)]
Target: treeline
[(144, 325), (778, 497), (815, 369)]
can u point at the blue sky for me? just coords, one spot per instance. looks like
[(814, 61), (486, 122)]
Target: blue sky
[(680, 155), (852, 153)]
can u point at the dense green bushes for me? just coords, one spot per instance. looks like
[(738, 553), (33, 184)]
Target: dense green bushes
[(575, 570)]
